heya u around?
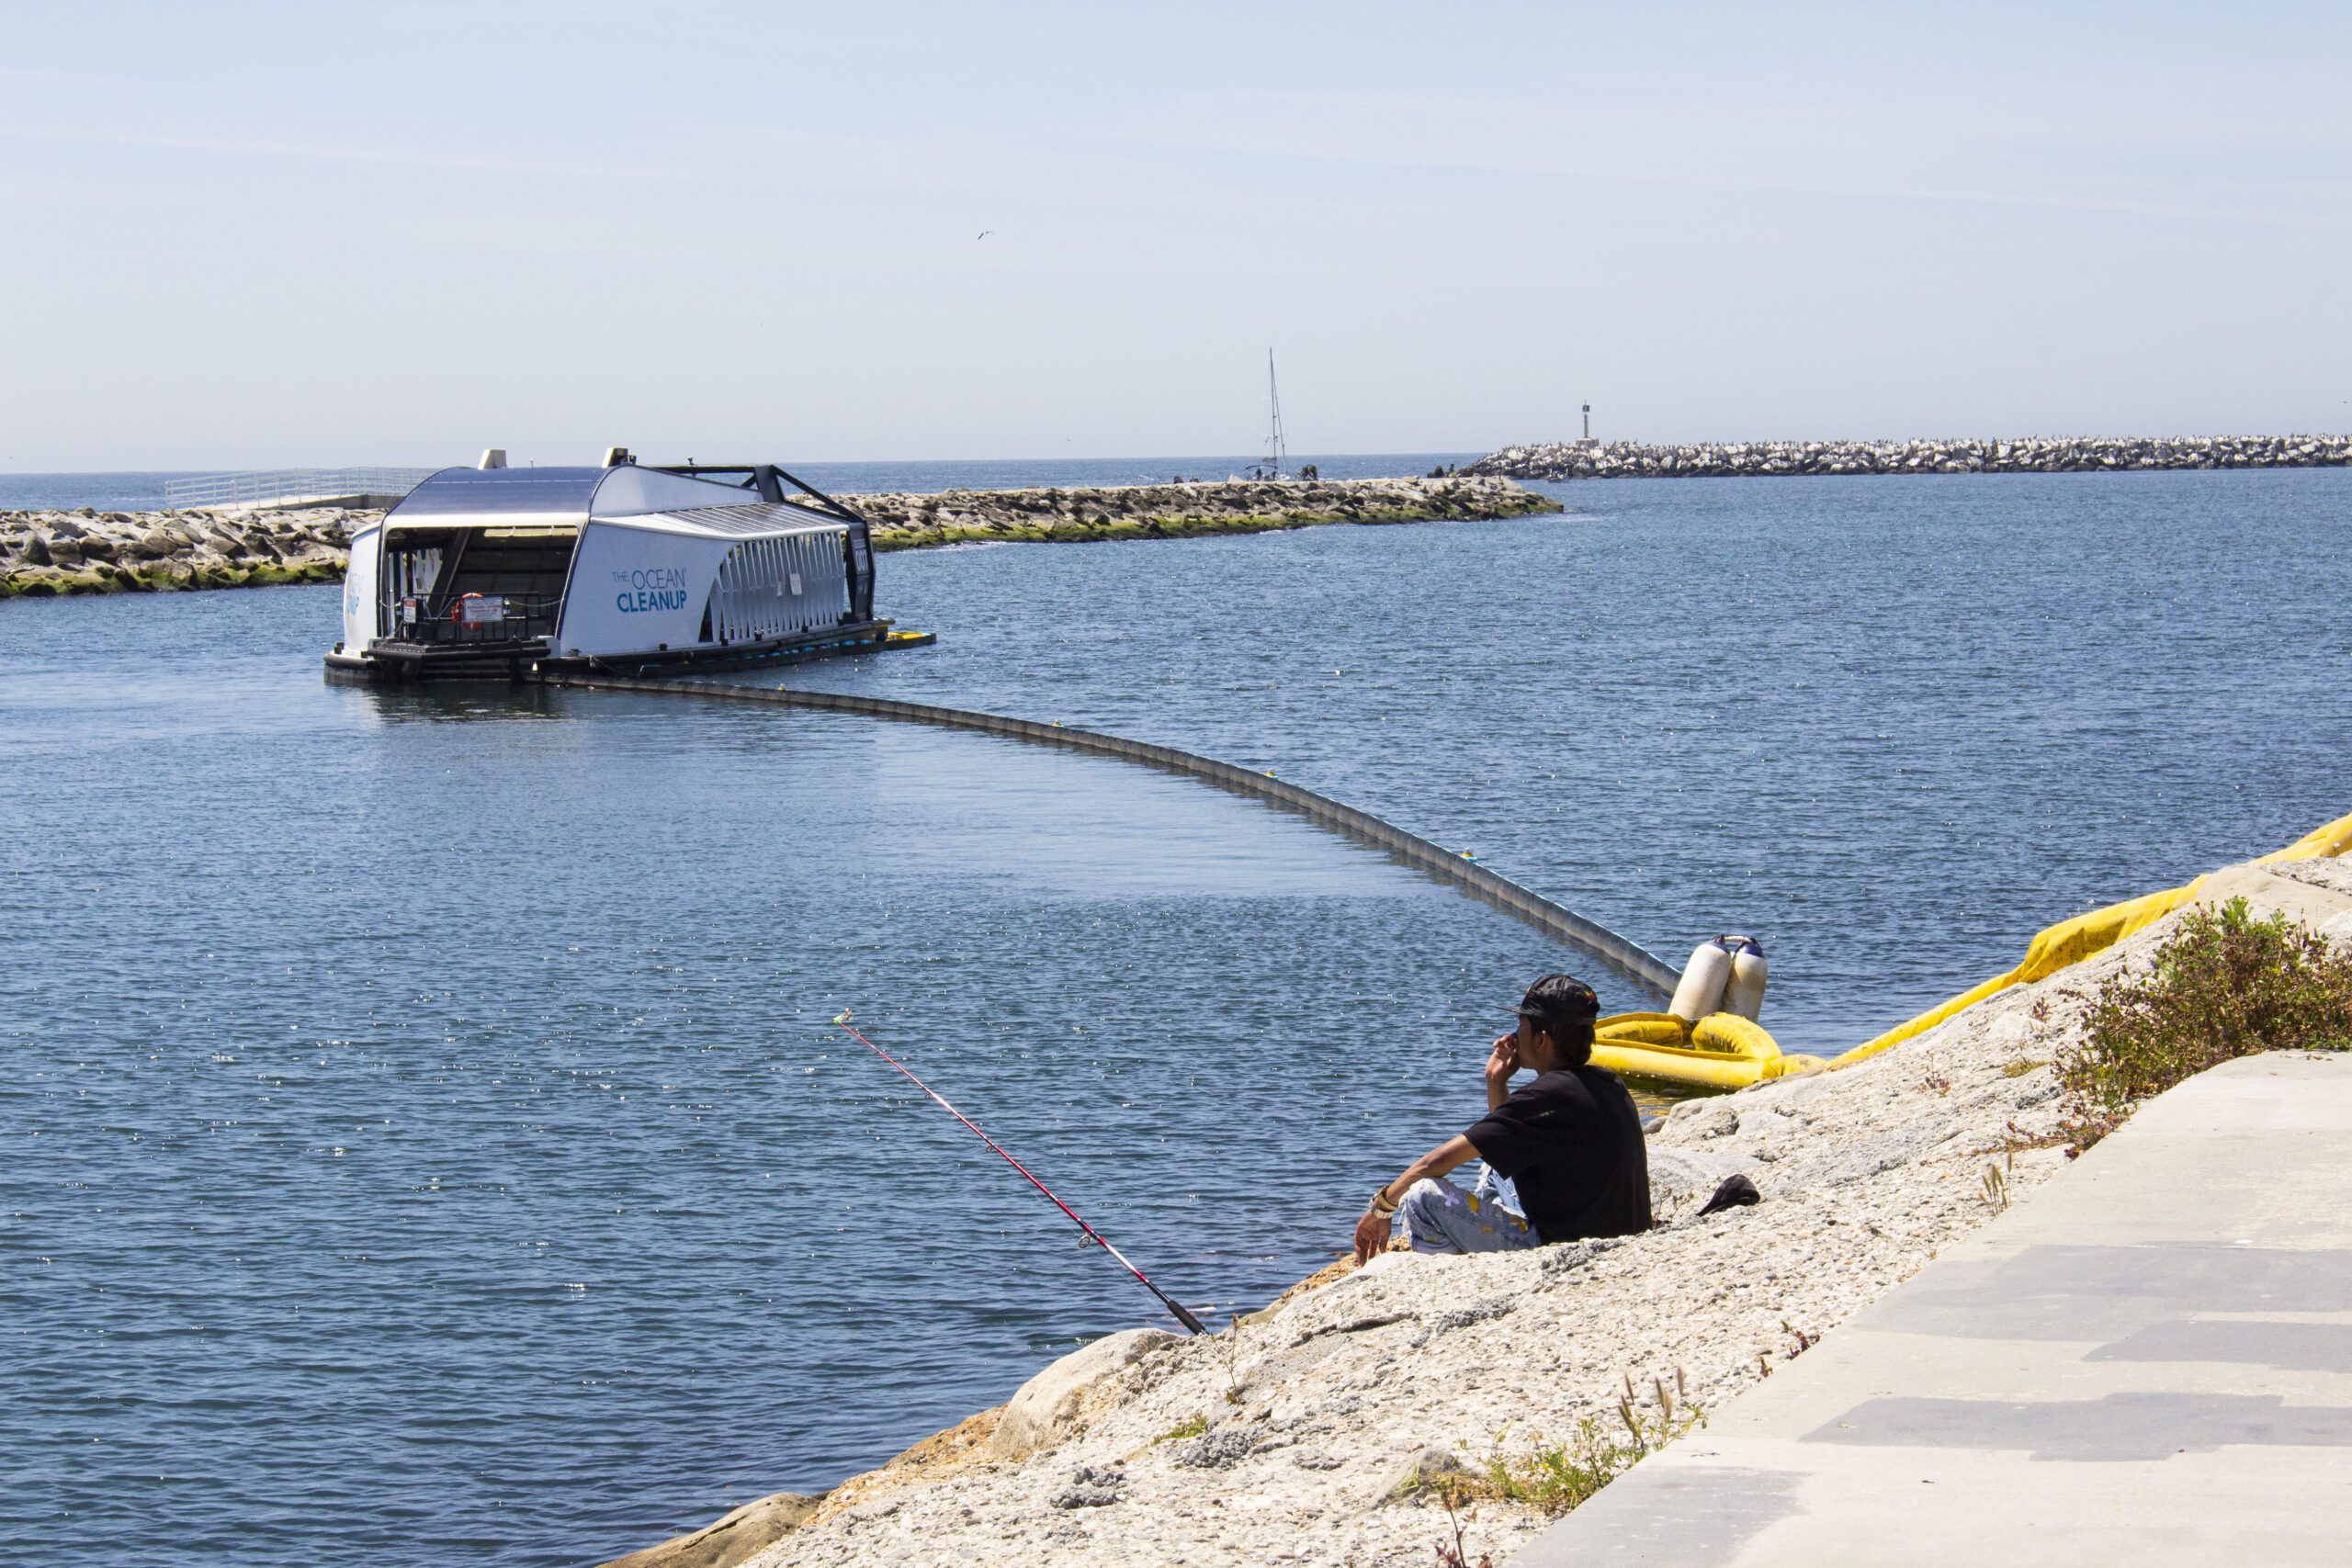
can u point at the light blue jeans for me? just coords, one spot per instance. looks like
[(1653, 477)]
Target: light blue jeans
[(1440, 1217)]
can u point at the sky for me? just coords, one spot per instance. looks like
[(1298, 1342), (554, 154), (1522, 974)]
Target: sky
[(258, 235)]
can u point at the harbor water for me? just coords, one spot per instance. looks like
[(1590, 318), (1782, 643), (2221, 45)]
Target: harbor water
[(425, 1141)]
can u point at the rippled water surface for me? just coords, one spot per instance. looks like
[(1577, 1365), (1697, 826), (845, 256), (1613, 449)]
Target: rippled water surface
[(424, 1140)]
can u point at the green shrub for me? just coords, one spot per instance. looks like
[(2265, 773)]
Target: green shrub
[(1191, 1426), (2225, 986), (1555, 1478)]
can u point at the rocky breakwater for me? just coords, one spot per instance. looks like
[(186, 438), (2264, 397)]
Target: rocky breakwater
[(1310, 1433), (1177, 510), (2037, 454), (46, 553)]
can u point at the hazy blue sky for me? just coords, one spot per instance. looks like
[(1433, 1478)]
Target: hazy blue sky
[(249, 235)]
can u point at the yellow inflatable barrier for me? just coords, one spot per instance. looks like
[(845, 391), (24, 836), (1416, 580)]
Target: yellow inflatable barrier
[(1722, 1052), (2071, 942), (1643, 1029)]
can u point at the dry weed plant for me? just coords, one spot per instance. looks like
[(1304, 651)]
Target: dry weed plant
[(1553, 1478), (1451, 1554), (1231, 1349)]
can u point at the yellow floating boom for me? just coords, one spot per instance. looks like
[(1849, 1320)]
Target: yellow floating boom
[(1720, 1052), (2071, 942), (1724, 1051)]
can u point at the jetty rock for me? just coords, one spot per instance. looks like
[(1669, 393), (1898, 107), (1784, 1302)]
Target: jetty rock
[(1052, 1407), (46, 553), (729, 1540), (1559, 460), (1178, 510)]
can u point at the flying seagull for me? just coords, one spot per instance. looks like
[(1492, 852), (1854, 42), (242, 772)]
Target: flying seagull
[(985, 232)]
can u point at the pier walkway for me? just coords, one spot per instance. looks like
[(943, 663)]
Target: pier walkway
[(2148, 1360)]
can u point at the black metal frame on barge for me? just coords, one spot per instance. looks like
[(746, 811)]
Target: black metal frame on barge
[(768, 482)]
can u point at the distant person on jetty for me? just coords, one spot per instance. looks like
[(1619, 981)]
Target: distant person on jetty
[(1570, 1143)]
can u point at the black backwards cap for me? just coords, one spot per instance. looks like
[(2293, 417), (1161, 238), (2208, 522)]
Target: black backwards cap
[(1559, 999)]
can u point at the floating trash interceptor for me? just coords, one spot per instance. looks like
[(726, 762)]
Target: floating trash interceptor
[(506, 573)]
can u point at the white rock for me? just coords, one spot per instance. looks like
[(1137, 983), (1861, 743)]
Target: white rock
[(1051, 1406), (1424, 1470)]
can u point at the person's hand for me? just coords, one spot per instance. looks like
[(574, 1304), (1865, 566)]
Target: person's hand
[(1503, 1063), (1372, 1235)]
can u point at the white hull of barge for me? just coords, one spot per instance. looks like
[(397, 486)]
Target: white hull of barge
[(495, 572)]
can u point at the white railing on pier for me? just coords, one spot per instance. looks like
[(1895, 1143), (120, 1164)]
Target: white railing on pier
[(281, 487)]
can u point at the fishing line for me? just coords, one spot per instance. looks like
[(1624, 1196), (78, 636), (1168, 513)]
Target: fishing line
[(1183, 1316)]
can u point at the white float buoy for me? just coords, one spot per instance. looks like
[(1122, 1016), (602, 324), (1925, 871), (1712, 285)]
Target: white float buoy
[(1744, 994), (1704, 979)]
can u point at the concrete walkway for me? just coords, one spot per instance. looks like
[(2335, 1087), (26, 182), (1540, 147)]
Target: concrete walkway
[(2148, 1361)]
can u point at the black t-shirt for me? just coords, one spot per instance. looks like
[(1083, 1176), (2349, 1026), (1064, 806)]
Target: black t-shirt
[(1572, 1142)]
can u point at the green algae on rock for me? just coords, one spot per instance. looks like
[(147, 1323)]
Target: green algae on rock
[(1183, 511), (46, 554)]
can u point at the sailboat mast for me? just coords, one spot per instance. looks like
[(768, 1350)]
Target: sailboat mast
[(1277, 455)]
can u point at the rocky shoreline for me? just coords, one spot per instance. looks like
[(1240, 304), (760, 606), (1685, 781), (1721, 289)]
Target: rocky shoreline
[(44, 554), (1560, 460), (1182, 510), (1306, 1439)]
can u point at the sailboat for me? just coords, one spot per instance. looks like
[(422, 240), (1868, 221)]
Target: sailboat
[(1276, 463)]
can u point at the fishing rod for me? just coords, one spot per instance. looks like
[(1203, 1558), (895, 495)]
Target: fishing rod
[(1183, 1314)]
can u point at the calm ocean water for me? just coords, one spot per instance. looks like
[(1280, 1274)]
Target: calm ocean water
[(424, 1143)]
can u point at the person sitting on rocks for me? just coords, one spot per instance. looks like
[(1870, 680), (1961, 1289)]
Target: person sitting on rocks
[(1570, 1143)]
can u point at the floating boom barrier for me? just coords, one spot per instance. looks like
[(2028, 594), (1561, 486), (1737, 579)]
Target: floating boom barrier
[(1713, 1054), (1629, 959), (2071, 941)]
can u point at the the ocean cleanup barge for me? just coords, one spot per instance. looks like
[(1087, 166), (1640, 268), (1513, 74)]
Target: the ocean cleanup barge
[(494, 571)]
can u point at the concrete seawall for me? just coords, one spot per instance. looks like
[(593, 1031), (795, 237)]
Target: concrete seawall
[(2036, 455), (2147, 1355), (44, 554)]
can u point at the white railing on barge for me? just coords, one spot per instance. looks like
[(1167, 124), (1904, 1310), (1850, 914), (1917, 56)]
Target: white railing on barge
[(289, 486)]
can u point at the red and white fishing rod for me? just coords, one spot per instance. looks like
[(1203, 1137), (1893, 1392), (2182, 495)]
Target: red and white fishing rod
[(1183, 1314)]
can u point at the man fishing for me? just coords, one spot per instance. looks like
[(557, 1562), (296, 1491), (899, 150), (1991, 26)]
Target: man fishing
[(1570, 1141)]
